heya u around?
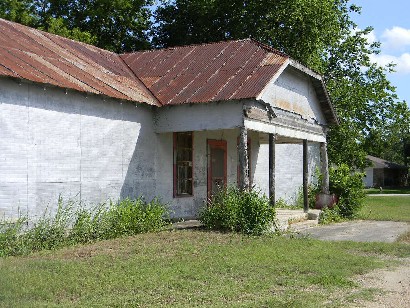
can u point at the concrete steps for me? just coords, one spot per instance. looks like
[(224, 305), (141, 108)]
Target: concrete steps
[(296, 220)]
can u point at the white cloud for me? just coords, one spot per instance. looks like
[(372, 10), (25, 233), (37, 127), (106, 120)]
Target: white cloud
[(396, 38), (371, 37), (402, 62)]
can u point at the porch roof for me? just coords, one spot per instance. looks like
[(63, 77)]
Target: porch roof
[(236, 114)]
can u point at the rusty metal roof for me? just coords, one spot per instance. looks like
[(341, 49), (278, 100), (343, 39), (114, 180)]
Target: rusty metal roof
[(222, 71), (42, 57), (209, 72)]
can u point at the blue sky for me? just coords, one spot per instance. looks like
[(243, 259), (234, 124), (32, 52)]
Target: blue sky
[(391, 22)]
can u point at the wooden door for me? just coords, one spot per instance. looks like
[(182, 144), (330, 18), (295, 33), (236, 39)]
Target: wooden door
[(217, 168)]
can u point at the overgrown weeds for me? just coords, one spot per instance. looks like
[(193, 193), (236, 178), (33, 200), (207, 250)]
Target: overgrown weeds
[(77, 224), (232, 209)]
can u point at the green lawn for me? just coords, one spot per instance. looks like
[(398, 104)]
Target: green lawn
[(373, 191), (194, 268), (395, 208)]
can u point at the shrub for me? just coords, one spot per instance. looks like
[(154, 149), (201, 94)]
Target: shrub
[(231, 209), (313, 190), (87, 224), (330, 215), (126, 217), (282, 204), (348, 186), (10, 240), (49, 232), (129, 217)]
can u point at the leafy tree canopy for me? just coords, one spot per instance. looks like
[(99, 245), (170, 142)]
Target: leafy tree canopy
[(293, 26), (117, 25)]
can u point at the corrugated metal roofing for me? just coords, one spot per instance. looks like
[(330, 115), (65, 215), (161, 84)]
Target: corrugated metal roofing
[(220, 71), (50, 59), (209, 72)]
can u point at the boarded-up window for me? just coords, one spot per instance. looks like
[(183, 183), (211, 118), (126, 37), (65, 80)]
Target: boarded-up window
[(183, 167)]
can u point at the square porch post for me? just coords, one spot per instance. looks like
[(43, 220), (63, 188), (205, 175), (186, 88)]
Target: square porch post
[(272, 154), (305, 177), (324, 168), (243, 159)]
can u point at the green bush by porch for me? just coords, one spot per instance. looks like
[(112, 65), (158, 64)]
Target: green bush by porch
[(244, 211)]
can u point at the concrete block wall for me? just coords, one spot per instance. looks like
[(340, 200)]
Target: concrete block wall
[(52, 144), (94, 148), (289, 169)]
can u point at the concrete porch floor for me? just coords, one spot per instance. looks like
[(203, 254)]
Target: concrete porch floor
[(287, 220)]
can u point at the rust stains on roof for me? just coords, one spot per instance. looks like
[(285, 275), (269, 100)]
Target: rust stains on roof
[(209, 72), (222, 71), (50, 59)]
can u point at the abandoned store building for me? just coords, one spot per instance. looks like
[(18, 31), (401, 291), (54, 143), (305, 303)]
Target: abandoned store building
[(177, 123)]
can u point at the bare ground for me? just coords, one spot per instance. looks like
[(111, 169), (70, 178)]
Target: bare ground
[(393, 285)]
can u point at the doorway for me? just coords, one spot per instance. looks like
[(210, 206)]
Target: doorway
[(217, 168)]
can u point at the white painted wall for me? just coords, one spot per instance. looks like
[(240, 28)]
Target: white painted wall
[(93, 148), (199, 117), (368, 179), (289, 169), (293, 91), (54, 143)]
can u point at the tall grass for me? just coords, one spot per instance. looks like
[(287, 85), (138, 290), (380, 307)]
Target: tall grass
[(75, 223)]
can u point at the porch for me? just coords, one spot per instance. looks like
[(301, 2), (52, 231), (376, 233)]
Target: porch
[(234, 143)]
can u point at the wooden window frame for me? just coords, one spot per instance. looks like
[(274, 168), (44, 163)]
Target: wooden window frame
[(175, 166)]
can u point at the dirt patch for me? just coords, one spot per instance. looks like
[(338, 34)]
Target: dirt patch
[(393, 284)]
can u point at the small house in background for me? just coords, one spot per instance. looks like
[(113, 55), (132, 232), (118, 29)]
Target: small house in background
[(383, 173), (176, 123)]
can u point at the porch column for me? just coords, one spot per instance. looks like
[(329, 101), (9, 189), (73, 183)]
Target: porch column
[(324, 167), (272, 154), (243, 159), (305, 177)]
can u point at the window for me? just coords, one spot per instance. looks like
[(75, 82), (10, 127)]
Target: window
[(183, 168)]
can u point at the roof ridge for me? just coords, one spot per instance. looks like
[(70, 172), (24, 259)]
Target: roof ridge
[(208, 43), (269, 48)]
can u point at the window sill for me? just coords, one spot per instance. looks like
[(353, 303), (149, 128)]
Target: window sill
[(182, 196)]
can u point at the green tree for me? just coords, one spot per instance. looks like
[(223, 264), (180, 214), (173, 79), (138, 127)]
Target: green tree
[(117, 25), (300, 28), (371, 114), (17, 10)]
